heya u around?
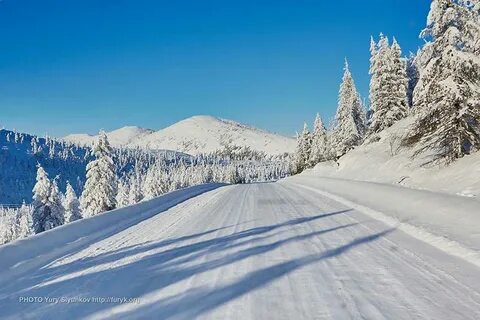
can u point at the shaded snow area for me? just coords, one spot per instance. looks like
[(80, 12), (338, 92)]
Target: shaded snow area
[(387, 161), (287, 250)]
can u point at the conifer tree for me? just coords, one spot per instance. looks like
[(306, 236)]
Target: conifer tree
[(447, 96), (388, 85), (122, 197), (400, 82), (155, 182), (101, 185), (412, 75), (302, 153), (56, 198), (319, 147), (72, 205), (349, 126), (135, 187), (47, 214), (23, 222)]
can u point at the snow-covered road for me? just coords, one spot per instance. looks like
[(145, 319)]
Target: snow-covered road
[(260, 251)]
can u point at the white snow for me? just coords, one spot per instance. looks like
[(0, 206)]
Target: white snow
[(195, 135), (287, 250), (447, 222), (117, 138), (386, 162)]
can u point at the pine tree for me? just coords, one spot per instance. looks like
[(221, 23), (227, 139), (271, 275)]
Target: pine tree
[(123, 193), (46, 212), (155, 182), (319, 149), (71, 205), (56, 197), (412, 75), (399, 107), (23, 222), (447, 96), (349, 126), (135, 187), (101, 185), (302, 153), (388, 85), (374, 77)]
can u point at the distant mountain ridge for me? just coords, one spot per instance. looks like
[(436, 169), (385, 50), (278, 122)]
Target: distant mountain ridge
[(195, 135)]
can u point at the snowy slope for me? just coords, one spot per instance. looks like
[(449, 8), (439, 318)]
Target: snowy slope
[(117, 138), (386, 162), (195, 135), (259, 251)]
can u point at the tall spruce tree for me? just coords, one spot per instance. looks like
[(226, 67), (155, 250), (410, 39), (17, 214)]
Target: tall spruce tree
[(135, 186), (101, 186), (56, 198), (412, 75), (155, 182), (388, 85), (349, 126), (319, 148), (447, 96), (302, 153), (71, 205), (123, 192), (399, 107), (47, 213), (23, 222)]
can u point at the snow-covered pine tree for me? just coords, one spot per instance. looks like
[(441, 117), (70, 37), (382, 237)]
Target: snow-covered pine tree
[(400, 83), (71, 205), (23, 222), (56, 199), (349, 125), (135, 187), (101, 186), (388, 85), (319, 148), (447, 96), (306, 143), (302, 153), (412, 75), (123, 193), (374, 77), (155, 182), (47, 211), (41, 192)]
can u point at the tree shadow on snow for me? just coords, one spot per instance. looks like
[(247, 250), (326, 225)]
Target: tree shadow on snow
[(151, 267)]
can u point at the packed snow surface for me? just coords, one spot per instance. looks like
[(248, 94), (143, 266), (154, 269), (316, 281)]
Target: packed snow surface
[(286, 250), (195, 135)]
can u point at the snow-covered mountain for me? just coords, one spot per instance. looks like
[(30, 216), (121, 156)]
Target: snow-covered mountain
[(117, 138), (195, 135)]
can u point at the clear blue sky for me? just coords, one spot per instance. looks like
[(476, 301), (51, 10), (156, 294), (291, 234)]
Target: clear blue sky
[(78, 66)]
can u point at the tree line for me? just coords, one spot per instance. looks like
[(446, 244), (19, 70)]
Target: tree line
[(113, 180), (439, 87)]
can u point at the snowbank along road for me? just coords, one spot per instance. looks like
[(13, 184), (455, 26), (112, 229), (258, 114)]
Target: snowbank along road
[(260, 251)]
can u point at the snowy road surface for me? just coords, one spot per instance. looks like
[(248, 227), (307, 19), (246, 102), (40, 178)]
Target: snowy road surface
[(261, 251)]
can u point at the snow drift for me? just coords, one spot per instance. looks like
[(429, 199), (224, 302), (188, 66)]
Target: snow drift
[(382, 159), (448, 222)]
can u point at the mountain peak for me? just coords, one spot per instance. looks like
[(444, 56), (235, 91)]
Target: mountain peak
[(195, 135)]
